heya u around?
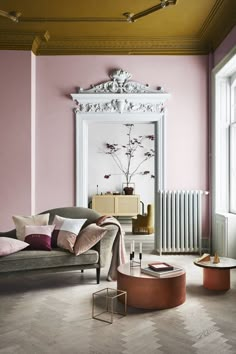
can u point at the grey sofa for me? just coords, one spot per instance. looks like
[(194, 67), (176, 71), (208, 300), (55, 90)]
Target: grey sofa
[(57, 258)]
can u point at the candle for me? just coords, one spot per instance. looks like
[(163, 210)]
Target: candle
[(131, 250), (140, 247), (133, 246)]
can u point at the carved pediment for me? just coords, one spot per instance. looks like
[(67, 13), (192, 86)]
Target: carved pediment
[(120, 83), (120, 95)]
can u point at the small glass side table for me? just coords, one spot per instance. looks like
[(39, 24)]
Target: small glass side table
[(110, 301)]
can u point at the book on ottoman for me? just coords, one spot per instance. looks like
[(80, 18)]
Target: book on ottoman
[(160, 266), (174, 272)]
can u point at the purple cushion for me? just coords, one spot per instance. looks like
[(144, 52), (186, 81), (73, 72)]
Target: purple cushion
[(39, 237)]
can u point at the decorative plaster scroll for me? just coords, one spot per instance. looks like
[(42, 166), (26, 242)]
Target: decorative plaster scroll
[(121, 106), (120, 95), (120, 83)]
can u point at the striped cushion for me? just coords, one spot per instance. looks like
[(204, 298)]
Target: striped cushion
[(65, 232)]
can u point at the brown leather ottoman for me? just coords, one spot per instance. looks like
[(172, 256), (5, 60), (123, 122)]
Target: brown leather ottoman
[(147, 292)]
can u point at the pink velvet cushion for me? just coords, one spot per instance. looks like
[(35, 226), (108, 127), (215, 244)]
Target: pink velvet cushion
[(66, 232), (88, 237), (39, 237), (11, 245)]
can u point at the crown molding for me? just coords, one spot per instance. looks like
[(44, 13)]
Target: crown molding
[(38, 40), (42, 44), (118, 45), (212, 30), (16, 40), (23, 40), (212, 15)]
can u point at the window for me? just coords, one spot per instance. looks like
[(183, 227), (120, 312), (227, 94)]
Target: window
[(224, 136), (232, 146)]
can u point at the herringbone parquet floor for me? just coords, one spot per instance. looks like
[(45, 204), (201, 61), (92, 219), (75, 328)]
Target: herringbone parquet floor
[(50, 313)]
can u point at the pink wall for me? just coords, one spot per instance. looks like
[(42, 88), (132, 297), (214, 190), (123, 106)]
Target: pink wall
[(15, 137), (185, 77), (225, 46)]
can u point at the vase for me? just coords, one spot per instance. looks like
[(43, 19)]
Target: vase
[(128, 190)]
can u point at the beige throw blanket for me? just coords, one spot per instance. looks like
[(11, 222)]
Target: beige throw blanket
[(118, 248)]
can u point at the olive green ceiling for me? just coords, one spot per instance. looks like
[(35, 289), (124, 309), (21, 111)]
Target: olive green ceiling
[(49, 27)]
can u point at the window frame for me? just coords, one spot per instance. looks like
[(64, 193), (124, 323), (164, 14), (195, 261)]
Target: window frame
[(232, 146), (223, 79)]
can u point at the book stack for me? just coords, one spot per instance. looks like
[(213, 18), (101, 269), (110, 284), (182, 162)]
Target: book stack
[(161, 270)]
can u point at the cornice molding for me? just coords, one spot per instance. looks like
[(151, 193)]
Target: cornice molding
[(38, 41), (212, 30), (23, 40), (42, 44), (211, 17), (130, 45), (16, 40)]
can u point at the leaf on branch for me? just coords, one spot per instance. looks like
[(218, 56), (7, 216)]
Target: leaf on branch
[(150, 137)]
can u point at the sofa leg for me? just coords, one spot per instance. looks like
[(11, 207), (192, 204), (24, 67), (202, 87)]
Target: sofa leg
[(98, 275)]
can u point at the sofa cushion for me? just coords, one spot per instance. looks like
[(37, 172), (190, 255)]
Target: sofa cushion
[(73, 213), (31, 259), (65, 232), (21, 221), (88, 237), (10, 245), (39, 237)]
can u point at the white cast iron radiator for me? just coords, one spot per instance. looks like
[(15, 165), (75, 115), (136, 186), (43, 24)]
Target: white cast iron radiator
[(180, 221)]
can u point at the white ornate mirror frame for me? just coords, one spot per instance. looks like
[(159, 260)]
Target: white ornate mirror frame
[(119, 100)]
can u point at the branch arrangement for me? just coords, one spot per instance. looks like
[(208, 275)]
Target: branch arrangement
[(130, 149)]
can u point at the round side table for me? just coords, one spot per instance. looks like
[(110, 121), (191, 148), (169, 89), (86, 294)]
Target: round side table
[(216, 276)]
